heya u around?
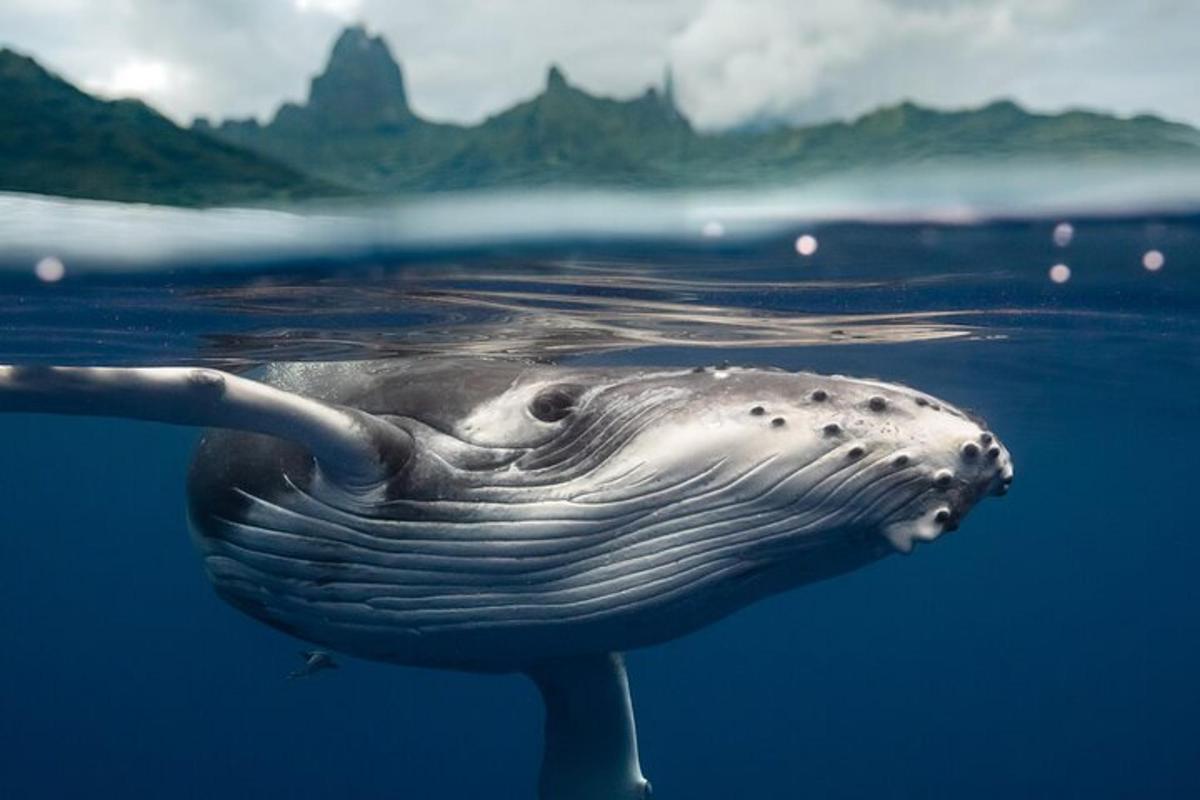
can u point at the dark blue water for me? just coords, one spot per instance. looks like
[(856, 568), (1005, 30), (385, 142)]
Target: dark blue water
[(1049, 648)]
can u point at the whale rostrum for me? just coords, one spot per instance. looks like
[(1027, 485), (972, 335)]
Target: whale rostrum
[(499, 516)]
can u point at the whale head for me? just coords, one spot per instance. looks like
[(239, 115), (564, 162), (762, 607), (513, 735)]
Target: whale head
[(851, 455)]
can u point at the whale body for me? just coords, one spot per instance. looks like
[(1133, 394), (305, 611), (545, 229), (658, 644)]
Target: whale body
[(495, 516)]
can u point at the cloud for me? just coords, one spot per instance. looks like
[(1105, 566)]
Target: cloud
[(154, 81), (343, 9), (767, 60), (735, 61)]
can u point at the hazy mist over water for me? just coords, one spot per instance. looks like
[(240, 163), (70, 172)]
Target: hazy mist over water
[(100, 236)]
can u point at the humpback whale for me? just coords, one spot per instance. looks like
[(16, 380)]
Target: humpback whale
[(502, 516)]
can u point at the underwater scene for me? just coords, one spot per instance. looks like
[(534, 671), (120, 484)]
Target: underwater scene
[(1045, 649), (689, 399)]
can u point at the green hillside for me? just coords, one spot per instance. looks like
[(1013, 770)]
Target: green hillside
[(55, 139)]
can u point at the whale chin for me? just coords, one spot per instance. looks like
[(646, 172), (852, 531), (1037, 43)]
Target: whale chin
[(944, 516), (905, 536)]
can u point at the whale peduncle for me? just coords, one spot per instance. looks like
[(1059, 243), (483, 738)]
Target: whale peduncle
[(591, 748), (354, 449)]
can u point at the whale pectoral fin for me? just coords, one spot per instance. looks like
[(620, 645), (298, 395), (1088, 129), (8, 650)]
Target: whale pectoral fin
[(591, 741), (352, 447)]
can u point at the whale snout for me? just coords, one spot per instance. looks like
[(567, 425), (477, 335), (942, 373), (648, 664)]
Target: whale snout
[(986, 466), (966, 462), (985, 469), (828, 455)]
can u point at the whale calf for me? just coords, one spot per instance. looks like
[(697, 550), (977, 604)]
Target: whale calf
[(500, 516)]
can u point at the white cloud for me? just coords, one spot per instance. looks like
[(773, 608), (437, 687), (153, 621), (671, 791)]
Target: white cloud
[(748, 60), (152, 80), (764, 58), (343, 9)]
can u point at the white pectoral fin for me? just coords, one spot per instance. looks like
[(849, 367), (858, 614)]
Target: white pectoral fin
[(591, 741), (351, 447)]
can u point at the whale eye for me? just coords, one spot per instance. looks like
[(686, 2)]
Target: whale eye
[(553, 404)]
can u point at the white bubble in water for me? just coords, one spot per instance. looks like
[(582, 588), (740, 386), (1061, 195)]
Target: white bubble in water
[(1153, 260), (49, 270), (1060, 273), (713, 229), (806, 245), (1064, 232)]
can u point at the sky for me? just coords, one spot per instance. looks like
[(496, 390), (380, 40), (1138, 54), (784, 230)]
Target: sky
[(735, 62)]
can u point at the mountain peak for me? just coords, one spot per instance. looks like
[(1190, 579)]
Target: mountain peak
[(555, 79), (354, 36), (1005, 106), (362, 87)]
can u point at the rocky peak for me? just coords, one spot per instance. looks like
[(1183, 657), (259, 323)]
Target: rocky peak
[(555, 79), (361, 88)]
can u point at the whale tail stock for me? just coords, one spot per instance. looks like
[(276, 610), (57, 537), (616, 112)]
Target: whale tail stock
[(353, 448), (591, 748)]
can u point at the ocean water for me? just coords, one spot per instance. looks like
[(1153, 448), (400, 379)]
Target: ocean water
[(1049, 648)]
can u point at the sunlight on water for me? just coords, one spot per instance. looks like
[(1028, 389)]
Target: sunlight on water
[(1064, 232), (49, 269)]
